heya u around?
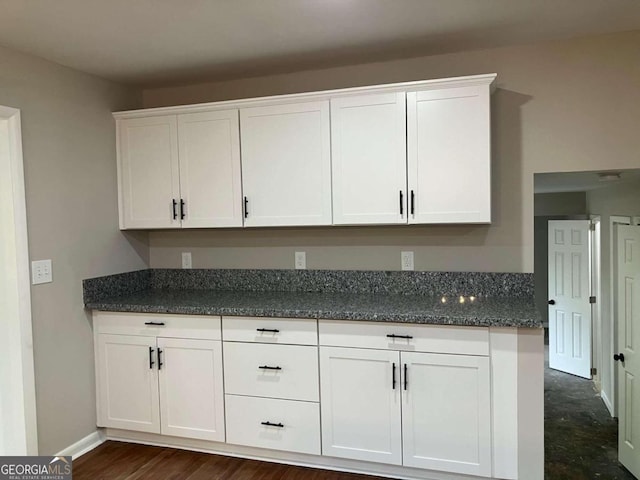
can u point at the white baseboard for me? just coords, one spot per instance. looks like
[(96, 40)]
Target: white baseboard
[(606, 402), (83, 445)]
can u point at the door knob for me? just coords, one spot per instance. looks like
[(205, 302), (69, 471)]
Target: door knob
[(619, 357), (551, 302)]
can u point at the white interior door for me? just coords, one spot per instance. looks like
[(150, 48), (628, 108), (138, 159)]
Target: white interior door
[(628, 345), (569, 291)]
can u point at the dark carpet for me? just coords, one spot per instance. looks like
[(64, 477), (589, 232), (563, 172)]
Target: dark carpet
[(580, 437)]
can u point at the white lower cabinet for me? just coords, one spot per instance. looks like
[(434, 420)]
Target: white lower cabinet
[(191, 398), (155, 384), (446, 413), (388, 394), (422, 410), (272, 423), (128, 395), (360, 404)]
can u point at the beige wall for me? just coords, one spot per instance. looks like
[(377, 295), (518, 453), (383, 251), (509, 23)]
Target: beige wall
[(70, 177), (564, 106)]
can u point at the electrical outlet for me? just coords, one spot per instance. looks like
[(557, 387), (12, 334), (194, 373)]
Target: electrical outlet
[(301, 260), (406, 260), (41, 272), (186, 259)]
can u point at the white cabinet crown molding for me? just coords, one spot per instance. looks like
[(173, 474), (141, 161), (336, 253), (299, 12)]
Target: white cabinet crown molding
[(453, 82)]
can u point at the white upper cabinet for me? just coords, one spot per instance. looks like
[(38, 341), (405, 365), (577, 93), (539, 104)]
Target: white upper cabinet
[(417, 153), (369, 164), (286, 164), (180, 171), (449, 155), (148, 172), (210, 185)]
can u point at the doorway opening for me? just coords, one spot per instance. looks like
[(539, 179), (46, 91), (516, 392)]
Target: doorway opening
[(18, 435), (575, 277)]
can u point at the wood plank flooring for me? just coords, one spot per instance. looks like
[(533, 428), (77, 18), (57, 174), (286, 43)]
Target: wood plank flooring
[(128, 461)]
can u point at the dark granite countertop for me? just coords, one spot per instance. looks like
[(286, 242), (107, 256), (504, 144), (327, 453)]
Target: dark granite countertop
[(498, 311)]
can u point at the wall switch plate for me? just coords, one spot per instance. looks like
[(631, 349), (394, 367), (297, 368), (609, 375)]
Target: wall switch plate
[(406, 260), (41, 272), (186, 260), (301, 260)]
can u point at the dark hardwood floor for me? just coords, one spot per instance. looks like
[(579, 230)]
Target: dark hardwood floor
[(120, 461)]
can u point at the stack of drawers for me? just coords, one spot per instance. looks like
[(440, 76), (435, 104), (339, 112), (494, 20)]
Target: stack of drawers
[(271, 383)]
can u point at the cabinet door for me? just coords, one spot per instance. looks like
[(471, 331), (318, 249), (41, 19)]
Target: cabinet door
[(209, 146), (360, 407), (148, 172), (286, 164), (449, 155), (191, 388), (369, 159), (446, 413), (128, 383)]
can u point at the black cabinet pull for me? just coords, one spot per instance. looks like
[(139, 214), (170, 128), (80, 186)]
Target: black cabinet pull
[(160, 359), (267, 367), (151, 362), (392, 335), (175, 204), (401, 203), (393, 376), (271, 330), (551, 302), (619, 357), (159, 324), (405, 376), (182, 214), (246, 207), (269, 424), (413, 198)]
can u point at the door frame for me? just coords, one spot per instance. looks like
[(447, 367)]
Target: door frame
[(596, 291), (610, 397), (19, 437)]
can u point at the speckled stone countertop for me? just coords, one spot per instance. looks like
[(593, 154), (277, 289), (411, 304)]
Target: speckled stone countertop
[(481, 311)]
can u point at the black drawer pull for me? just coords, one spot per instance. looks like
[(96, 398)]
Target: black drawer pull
[(182, 214), (267, 367), (413, 200), (392, 335), (160, 359), (246, 207), (269, 424), (401, 203), (158, 324), (270, 330), (175, 204), (151, 362), (393, 375), (406, 380)]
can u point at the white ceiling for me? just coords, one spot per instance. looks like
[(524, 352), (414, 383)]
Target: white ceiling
[(580, 181), (151, 42)]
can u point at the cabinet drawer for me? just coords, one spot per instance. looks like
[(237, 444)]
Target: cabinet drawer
[(270, 330), (423, 338), (296, 425), (158, 325), (292, 371)]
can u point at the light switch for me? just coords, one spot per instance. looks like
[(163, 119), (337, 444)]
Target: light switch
[(41, 272), (186, 260)]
